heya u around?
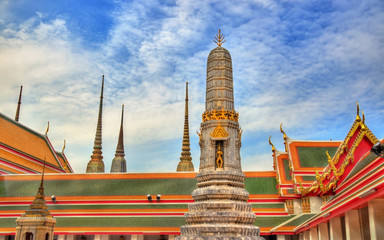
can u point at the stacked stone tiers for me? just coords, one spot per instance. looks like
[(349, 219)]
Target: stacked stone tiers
[(220, 210)]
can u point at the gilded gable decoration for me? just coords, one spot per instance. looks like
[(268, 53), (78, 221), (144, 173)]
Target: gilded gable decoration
[(219, 132)]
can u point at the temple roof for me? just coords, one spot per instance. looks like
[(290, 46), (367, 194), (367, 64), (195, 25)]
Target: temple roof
[(23, 150)]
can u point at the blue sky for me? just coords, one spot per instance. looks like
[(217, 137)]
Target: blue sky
[(303, 63)]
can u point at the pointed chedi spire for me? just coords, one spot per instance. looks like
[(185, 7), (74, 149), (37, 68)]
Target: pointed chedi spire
[(39, 208), (96, 164), (185, 163), (118, 163), (18, 105)]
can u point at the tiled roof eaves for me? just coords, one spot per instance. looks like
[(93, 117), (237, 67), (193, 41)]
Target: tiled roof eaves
[(44, 137), (29, 157), (22, 126)]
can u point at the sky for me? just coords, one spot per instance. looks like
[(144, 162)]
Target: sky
[(301, 63)]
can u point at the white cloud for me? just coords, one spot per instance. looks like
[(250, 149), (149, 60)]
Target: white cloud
[(304, 80)]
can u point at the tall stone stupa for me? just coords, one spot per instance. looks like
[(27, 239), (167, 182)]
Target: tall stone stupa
[(220, 210)]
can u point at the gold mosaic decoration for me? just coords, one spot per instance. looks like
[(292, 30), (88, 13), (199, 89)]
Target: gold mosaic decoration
[(220, 115)]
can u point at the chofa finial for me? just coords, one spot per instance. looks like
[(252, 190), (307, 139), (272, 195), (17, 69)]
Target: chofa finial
[(282, 131), (357, 111), (270, 143), (219, 39), (62, 150), (46, 131)]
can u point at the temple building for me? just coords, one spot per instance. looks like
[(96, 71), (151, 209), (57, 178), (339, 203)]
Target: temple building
[(318, 189)]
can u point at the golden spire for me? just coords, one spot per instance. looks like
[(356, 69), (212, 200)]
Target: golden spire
[(96, 164), (270, 143), (18, 105), (219, 39), (185, 163), (118, 162)]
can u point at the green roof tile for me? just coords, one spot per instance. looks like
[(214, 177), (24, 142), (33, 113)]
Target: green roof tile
[(315, 156), (261, 185)]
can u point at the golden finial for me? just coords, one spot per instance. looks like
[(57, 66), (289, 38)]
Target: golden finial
[(357, 111), (362, 112), (270, 143), (62, 150), (46, 131), (219, 39), (281, 130), (328, 156)]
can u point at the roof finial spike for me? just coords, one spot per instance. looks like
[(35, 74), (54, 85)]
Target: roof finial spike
[(96, 163), (270, 143), (185, 163), (357, 112), (219, 39), (62, 150), (18, 105), (46, 131), (282, 131), (362, 112)]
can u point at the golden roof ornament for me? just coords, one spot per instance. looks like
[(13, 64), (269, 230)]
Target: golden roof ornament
[(282, 131), (270, 143), (62, 150), (357, 112), (219, 39), (46, 131)]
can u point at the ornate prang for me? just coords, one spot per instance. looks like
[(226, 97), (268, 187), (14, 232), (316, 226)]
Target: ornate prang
[(185, 163), (18, 105), (118, 163), (219, 39), (96, 164), (220, 209)]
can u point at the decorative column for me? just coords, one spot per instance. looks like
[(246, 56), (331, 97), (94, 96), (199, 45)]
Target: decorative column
[(335, 228), (352, 225), (323, 231), (220, 210)]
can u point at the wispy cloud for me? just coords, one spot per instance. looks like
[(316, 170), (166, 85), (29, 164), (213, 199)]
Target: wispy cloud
[(301, 63)]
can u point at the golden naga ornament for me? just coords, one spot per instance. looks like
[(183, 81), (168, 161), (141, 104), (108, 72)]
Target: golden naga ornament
[(220, 115)]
